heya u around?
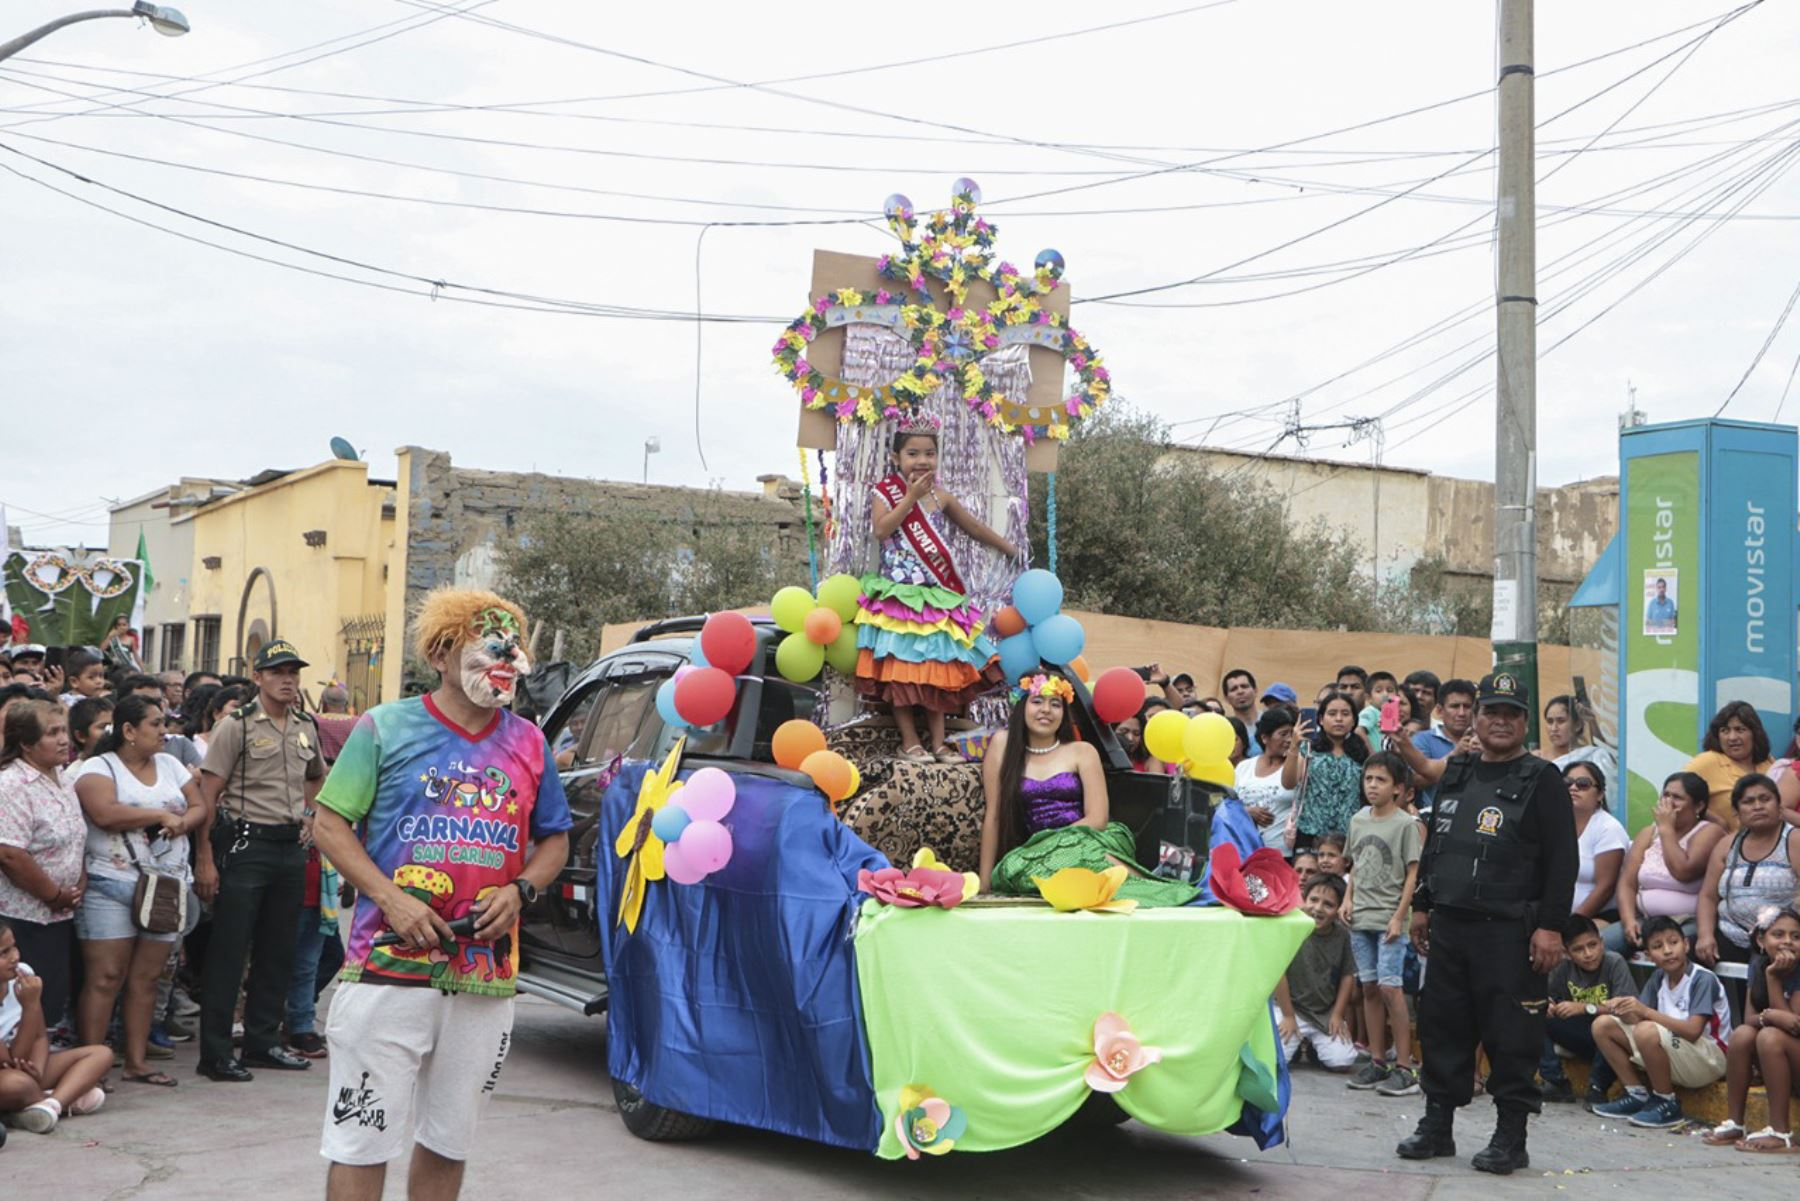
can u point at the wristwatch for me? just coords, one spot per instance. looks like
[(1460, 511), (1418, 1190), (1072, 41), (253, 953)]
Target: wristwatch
[(528, 892), (1592, 1009)]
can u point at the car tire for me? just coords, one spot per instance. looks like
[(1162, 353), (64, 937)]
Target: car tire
[(652, 1123)]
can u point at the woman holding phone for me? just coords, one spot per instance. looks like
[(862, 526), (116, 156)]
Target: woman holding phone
[(1326, 771)]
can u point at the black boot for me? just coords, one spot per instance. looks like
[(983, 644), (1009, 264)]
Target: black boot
[(1432, 1139), (1505, 1152)]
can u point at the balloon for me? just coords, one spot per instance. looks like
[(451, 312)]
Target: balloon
[(706, 846), (682, 671), (697, 654), (1118, 694), (1162, 735), (665, 702), (831, 772), (1059, 638), (1008, 621), (790, 607), (794, 741), (855, 781), (1038, 595), (669, 822), (839, 593), (1079, 665), (1018, 655), (843, 653), (823, 626), (1219, 772), (1208, 739), (708, 795), (677, 867), (705, 696), (798, 659), (729, 641)]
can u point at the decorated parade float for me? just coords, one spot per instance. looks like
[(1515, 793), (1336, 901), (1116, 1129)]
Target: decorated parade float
[(791, 927)]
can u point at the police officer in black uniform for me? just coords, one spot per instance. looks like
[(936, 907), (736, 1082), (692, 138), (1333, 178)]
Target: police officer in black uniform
[(1495, 883)]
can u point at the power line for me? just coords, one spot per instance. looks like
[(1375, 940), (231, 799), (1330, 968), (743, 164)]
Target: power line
[(1761, 351)]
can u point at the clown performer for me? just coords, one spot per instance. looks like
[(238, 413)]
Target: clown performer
[(447, 789), (920, 641)]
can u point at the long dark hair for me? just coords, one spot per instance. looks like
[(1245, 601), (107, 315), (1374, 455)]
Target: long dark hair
[(1745, 712), (1012, 772), (1758, 970), (130, 711), (193, 707), (217, 701), (1355, 747)]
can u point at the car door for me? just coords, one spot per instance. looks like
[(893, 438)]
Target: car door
[(566, 730)]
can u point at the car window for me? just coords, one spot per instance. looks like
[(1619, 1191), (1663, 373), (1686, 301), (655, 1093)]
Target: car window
[(613, 729), (566, 741)]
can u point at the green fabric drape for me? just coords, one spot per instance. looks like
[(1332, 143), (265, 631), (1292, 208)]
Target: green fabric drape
[(993, 1008), (1049, 851)]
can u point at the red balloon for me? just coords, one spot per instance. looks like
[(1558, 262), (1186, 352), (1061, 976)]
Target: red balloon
[(1118, 694), (728, 641), (704, 696), (1008, 621)]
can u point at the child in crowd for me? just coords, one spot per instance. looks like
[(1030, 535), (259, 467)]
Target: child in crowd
[(86, 674), (1673, 1030), (38, 1085), (1580, 986), (1769, 1038), (1382, 685), (1314, 996), (1332, 860), (1384, 851), (1306, 866)]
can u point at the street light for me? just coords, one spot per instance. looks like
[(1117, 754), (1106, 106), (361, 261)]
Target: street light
[(652, 446), (165, 20)]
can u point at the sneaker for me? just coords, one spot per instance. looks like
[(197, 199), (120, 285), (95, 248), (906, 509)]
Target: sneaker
[(178, 1031), (1401, 1082), (89, 1102), (308, 1044), (1556, 1089), (183, 1005), (158, 1045), (39, 1118), (1370, 1075), (1659, 1113), (1625, 1107), (1595, 1096)]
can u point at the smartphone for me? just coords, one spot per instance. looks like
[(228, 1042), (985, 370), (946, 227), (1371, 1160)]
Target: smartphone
[(53, 657), (1143, 673), (1390, 715), (1310, 715)]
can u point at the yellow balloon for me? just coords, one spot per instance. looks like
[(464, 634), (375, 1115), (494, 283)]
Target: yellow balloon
[(1208, 739), (1220, 772), (1163, 735)]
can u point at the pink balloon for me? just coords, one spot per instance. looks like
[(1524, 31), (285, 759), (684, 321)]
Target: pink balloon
[(683, 671), (708, 795), (677, 867), (706, 845)]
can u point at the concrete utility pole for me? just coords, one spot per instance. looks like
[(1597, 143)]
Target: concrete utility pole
[(1515, 447)]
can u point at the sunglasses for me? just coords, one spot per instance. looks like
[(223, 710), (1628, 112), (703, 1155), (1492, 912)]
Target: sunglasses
[(1580, 785)]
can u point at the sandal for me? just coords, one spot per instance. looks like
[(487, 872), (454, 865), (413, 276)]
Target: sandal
[(949, 754), (1775, 1142), (917, 754), (1728, 1133), (159, 1079)]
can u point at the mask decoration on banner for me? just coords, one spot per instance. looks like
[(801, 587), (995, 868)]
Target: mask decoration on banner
[(70, 599), (953, 249), (492, 659)]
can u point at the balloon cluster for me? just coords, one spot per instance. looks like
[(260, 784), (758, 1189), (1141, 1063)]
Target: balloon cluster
[(1201, 745), (819, 629), (702, 692), (697, 844), (1034, 628), (799, 746)]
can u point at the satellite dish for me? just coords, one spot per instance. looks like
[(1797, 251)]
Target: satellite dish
[(340, 448)]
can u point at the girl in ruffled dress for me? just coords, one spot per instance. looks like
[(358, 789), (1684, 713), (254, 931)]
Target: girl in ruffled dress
[(920, 640)]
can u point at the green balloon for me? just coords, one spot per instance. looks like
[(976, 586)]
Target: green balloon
[(798, 659), (842, 653), (790, 607), (840, 593)]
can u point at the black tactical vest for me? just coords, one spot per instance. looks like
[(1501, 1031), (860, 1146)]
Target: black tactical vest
[(1481, 859)]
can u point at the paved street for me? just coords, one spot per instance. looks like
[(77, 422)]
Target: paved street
[(552, 1133)]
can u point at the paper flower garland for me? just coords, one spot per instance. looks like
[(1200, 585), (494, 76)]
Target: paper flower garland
[(638, 841), (1075, 888), (927, 1124), (955, 251), (1117, 1055)]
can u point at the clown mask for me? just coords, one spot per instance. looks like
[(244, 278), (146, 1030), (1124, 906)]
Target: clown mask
[(493, 661)]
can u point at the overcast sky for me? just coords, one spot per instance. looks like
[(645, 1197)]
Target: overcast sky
[(133, 356)]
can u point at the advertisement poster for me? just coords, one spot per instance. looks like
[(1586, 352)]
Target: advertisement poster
[(1662, 644), (1662, 593), (1749, 580)]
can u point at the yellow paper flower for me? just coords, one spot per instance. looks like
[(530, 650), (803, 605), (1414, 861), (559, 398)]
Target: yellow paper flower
[(1075, 888), (849, 297), (927, 859), (638, 843)]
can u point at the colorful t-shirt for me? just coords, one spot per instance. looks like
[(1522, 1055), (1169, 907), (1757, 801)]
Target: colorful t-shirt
[(447, 817)]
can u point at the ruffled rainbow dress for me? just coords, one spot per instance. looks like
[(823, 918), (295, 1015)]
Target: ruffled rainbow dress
[(918, 642)]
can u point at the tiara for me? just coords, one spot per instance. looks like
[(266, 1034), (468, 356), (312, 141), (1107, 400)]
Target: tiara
[(917, 421), (1044, 684)]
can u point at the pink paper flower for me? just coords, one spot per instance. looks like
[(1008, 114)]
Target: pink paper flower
[(821, 304), (1117, 1055), (915, 888), (802, 367)]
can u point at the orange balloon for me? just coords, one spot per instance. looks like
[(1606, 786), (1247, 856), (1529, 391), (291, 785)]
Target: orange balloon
[(794, 741), (1079, 666), (833, 774), (1009, 621), (823, 625)]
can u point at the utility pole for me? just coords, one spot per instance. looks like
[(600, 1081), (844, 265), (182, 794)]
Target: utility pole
[(1515, 467)]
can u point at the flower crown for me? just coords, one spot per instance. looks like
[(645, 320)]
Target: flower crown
[(1044, 684)]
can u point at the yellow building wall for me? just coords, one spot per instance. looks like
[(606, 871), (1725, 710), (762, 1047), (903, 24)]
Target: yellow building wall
[(267, 570)]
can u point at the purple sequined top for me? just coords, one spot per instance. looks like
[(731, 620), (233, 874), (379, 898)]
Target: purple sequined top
[(1053, 803)]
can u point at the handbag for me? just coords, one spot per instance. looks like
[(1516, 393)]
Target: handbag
[(159, 902)]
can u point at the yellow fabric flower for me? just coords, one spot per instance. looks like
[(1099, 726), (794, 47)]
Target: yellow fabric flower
[(638, 843), (925, 858), (1075, 888)]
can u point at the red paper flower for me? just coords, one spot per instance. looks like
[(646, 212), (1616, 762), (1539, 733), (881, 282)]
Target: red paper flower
[(915, 888), (1263, 884)]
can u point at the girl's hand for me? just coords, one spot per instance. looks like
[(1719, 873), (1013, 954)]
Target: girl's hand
[(1783, 963), (1304, 730), (28, 988), (920, 487)]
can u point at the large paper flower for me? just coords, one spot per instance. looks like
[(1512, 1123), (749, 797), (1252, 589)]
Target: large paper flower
[(927, 858), (1263, 884), (1117, 1054), (913, 889), (1078, 888), (927, 1124), (638, 842)]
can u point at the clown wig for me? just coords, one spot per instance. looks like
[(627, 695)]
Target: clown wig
[(449, 617)]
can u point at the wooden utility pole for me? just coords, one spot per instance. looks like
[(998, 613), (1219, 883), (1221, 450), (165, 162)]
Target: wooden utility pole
[(1515, 448)]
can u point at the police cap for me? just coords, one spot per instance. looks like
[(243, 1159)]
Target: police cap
[(1502, 688), (277, 653)]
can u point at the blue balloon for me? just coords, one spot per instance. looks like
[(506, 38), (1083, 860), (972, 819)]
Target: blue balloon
[(669, 822), (1037, 595), (696, 656), (665, 703), (1018, 655), (1059, 639)]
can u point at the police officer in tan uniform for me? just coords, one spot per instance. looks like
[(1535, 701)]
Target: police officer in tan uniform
[(261, 773)]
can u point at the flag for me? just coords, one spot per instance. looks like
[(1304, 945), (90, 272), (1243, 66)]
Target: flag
[(143, 556)]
